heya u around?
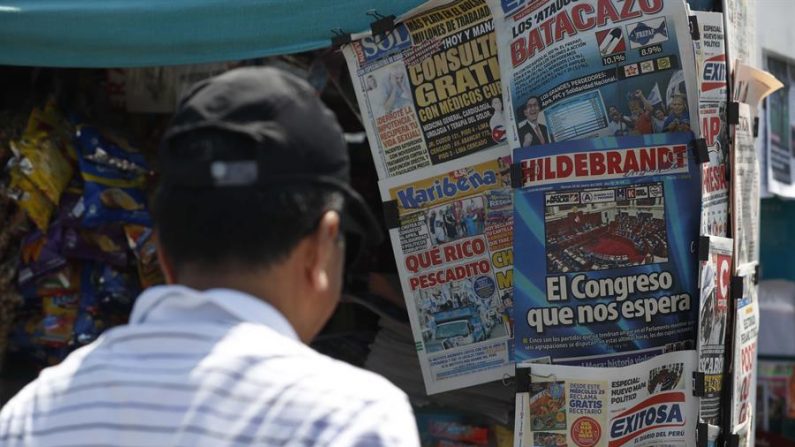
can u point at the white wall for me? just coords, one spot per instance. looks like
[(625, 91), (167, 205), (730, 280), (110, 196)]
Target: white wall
[(775, 29)]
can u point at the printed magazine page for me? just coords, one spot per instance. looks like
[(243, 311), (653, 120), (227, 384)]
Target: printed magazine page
[(453, 246), (580, 70), (429, 91), (647, 404), (605, 273)]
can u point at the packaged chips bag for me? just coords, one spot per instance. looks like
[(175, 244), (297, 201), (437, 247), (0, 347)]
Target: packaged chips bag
[(60, 313), (103, 244), (40, 254), (106, 150), (28, 197), (143, 246), (43, 163), (51, 121), (114, 180)]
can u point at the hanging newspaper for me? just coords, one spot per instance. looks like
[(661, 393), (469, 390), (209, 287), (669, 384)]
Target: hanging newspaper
[(429, 91), (715, 279), (605, 274), (746, 330), (578, 70), (740, 18), (745, 191), (647, 404), (453, 249), (713, 94)]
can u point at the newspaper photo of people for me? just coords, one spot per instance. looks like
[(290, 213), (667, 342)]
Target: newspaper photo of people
[(548, 406), (456, 220), (714, 278), (461, 313), (666, 378), (598, 229)]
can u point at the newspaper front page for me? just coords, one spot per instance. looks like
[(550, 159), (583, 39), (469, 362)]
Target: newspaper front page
[(575, 70), (746, 331), (715, 281), (713, 94), (453, 246), (605, 270), (646, 404), (429, 91), (745, 191)]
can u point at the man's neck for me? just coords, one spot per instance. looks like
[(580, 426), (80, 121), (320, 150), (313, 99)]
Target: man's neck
[(269, 285)]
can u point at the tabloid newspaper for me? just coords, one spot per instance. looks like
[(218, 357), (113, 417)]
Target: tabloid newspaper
[(453, 246), (715, 280), (745, 191), (713, 94), (646, 404), (429, 91), (574, 70), (746, 330), (740, 18), (603, 229)]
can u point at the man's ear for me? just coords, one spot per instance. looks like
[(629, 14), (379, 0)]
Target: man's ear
[(165, 262), (320, 249)]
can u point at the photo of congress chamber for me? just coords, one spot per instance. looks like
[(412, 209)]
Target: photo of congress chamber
[(599, 229)]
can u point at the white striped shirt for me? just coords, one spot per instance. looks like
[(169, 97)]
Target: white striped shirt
[(215, 368)]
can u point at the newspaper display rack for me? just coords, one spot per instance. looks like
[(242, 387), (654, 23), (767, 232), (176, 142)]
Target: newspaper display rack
[(632, 164)]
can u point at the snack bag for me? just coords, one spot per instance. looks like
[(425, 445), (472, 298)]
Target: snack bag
[(41, 161), (111, 152), (40, 254), (62, 281), (60, 313), (112, 195), (52, 122), (104, 244), (35, 204), (106, 204), (142, 244)]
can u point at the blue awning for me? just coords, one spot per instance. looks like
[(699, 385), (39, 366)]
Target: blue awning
[(125, 33)]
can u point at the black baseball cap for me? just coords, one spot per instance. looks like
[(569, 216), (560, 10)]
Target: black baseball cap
[(293, 139)]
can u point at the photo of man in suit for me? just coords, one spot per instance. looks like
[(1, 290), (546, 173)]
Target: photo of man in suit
[(531, 132)]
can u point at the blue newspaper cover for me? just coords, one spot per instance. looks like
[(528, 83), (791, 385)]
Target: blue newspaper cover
[(605, 258)]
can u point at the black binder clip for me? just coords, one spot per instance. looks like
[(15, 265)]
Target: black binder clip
[(700, 148), (699, 387), (756, 274), (382, 24), (391, 214), (340, 38), (702, 430), (703, 248), (756, 127), (737, 287), (523, 380), (733, 113), (695, 33), (516, 176)]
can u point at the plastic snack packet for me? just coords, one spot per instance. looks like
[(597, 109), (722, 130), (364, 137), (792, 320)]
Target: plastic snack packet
[(35, 204), (41, 161)]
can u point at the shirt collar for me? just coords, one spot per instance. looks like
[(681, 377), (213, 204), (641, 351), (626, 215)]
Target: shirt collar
[(172, 302)]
